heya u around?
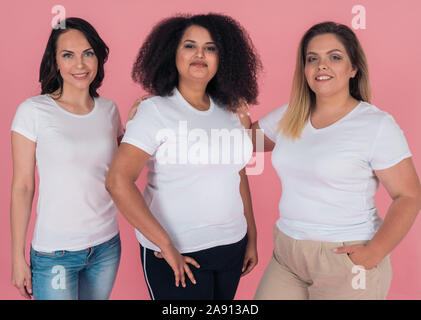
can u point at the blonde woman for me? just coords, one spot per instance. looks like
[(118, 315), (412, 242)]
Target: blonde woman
[(331, 148)]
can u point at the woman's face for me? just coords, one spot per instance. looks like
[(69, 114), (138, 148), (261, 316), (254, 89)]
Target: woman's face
[(328, 67), (76, 60), (197, 56)]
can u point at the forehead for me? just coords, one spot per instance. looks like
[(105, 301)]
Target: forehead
[(324, 43), (197, 33), (73, 40)]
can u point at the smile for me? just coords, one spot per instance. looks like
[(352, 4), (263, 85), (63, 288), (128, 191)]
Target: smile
[(323, 78), (80, 76)]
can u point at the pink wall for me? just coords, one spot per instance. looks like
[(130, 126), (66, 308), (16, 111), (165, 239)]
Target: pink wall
[(390, 40)]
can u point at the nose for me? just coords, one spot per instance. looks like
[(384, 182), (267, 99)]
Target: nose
[(200, 53), (80, 62), (322, 64)]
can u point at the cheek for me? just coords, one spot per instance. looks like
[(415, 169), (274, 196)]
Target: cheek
[(180, 61), (309, 74), (94, 65), (215, 63), (62, 64)]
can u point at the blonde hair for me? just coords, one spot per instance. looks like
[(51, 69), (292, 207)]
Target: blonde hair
[(302, 98)]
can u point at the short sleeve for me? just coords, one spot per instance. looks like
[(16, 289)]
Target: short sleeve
[(390, 146), (25, 121), (270, 122), (117, 121), (143, 129)]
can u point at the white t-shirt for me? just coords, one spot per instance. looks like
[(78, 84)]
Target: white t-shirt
[(328, 183), (73, 154), (192, 183)]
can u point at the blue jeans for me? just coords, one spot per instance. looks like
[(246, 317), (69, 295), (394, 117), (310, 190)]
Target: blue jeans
[(76, 275)]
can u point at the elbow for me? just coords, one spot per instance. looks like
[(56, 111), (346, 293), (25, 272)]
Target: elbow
[(418, 198), (111, 183)]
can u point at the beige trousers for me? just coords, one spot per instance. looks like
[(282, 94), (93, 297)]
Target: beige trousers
[(306, 269)]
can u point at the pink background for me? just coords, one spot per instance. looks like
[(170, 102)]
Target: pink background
[(390, 40)]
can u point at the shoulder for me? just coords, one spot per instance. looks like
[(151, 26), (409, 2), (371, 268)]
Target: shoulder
[(371, 111), (157, 106), (33, 104), (371, 115), (105, 103), (275, 115)]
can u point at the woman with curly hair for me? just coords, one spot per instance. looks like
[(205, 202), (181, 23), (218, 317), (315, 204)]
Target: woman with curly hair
[(196, 207)]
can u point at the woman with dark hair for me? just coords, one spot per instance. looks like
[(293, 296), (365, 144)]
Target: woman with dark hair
[(196, 207), (331, 148), (71, 134)]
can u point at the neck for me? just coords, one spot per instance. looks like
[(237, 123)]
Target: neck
[(77, 98), (195, 94), (334, 104)]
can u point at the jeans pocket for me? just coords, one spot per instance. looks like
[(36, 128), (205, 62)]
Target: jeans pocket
[(54, 254)]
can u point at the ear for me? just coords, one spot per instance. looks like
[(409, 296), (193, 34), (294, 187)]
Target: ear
[(354, 71)]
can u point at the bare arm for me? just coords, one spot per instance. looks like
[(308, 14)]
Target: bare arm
[(402, 184), (120, 183), (22, 194), (251, 258)]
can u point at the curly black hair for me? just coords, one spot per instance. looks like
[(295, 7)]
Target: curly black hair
[(236, 78), (50, 77)]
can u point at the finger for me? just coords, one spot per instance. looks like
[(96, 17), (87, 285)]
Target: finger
[(250, 266), (189, 273), (192, 261), (183, 278), (177, 278), (158, 255), (245, 264), (344, 249), (23, 292), (29, 285)]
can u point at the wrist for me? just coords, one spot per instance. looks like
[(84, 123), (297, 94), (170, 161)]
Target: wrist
[(375, 251)]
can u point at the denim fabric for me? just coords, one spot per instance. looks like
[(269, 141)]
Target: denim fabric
[(87, 274)]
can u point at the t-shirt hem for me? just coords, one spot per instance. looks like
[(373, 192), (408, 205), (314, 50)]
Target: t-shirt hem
[(392, 163), (137, 144), (75, 248), (200, 247), (353, 237), (25, 133)]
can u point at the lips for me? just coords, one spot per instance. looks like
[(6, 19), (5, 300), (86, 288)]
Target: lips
[(198, 64), (80, 76), (323, 77)]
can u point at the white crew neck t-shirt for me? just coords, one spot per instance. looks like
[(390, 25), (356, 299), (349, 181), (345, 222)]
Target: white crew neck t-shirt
[(73, 154), (193, 172), (328, 180)]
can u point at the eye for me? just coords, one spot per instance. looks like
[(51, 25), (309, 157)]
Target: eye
[(211, 49), (188, 46), (89, 54), (336, 57), (311, 59), (67, 55)]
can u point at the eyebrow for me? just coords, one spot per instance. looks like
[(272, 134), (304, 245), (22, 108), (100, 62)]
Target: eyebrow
[(73, 52), (330, 51), (210, 42)]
